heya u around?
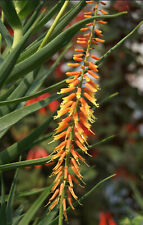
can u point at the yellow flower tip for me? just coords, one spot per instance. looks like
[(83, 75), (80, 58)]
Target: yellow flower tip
[(78, 94), (73, 84), (87, 78)]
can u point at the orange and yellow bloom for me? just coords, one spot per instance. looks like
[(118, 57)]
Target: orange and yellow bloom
[(76, 112)]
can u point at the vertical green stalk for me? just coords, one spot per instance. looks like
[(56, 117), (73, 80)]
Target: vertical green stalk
[(54, 25), (2, 20)]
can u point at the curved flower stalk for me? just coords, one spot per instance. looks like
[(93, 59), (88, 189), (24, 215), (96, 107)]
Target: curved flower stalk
[(76, 112)]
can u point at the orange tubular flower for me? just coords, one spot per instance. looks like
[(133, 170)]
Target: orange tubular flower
[(77, 113)]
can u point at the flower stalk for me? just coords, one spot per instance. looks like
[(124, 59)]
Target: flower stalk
[(77, 112)]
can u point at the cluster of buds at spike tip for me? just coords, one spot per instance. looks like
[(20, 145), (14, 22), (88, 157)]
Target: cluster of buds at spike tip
[(75, 113)]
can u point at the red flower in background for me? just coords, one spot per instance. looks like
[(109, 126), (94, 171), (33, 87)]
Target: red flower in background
[(130, 128), (121, 5), (59, 71), (121, 172), (37, 153), (106, 219), (52, 106)]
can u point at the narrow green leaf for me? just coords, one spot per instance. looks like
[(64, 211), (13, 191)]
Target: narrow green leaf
[(3, 204), (47, 219), (10, 14), (19, 90), (51, 88), (9, 207), (10, 153), (81, 200), (67, 18), (102, 141), (8, 64), (44, 160), (34, 46), (51, 48), (28, 8), (15, 116), (7, 92), (137, 194), (99, 62), (49, 15), (25, 163), (1, 59), (33, 209), (5, 34), (33, 17)]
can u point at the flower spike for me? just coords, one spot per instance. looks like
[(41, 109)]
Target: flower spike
[(77, 114)]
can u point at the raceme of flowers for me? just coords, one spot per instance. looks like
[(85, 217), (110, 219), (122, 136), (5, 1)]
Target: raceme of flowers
[(75, 112)]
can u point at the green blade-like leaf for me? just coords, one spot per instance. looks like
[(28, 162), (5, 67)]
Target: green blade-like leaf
[(1, 59), (66, 19), (44, 160), (47, 219), (7, 92), (33, 17), (33, 209), (9, 207), (5, 34), (3, 203), (99, 62), (18, 148), (15, 116), (11, 14), (20, 90), (25, 163), (28, 8), (49, 15), (51, 48), (60, 26), (51, 88), (8, 64)]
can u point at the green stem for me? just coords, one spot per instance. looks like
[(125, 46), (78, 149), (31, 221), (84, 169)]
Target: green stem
[(54, 25), (61, 209)]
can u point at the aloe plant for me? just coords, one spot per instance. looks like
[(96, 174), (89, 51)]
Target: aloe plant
[(23, 72)]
